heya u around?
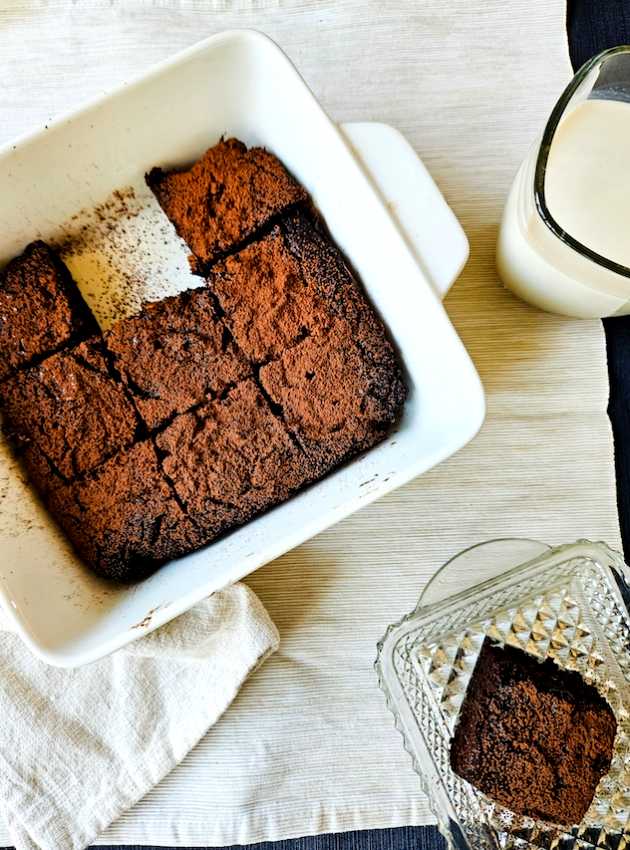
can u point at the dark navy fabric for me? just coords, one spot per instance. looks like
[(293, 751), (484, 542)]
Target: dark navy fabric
[(405, 838), (592, 26)]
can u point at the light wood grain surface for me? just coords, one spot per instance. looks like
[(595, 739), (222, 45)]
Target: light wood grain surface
[(308, 746)]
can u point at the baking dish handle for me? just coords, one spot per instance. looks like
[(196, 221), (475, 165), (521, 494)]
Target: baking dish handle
[(427, 222)]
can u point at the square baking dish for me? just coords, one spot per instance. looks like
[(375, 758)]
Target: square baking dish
[(567, 603), (236, 83)]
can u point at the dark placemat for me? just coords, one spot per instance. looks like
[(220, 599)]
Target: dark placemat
[(593, 27), (404, 838)]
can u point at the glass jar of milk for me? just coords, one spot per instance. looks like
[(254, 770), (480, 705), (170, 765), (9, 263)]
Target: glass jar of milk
[(564, 241)]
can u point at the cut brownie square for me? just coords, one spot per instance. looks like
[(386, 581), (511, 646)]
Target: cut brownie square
[(291, 283), (533, 736), (230, 459), (334, 396), (174, 354), (224, 197), (68, 413), (328, 275), (41, 309), (123, 519)]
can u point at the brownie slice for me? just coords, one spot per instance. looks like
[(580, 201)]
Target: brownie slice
[(175, 353), (533, 736), (67, 414), (224, 197), (41, 309), (268, 301), (328, 275), (335, 397), (286, 286), (123, 519), (230, 459)]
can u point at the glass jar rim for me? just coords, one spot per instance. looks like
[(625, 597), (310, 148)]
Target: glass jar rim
[(543, 156)]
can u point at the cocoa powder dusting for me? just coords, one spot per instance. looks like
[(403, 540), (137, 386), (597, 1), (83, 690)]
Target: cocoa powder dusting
[(225, 196), (124, 252)]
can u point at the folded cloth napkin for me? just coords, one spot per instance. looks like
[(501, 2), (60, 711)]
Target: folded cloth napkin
[(79, 747)]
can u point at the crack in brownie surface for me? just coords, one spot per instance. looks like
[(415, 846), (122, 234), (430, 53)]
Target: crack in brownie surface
[(533, 736), (231, 459), (41, 309), (174, 354), (122, 519), (268, 301), (286, 286), (68, 414), (225, 196), (335, 399)]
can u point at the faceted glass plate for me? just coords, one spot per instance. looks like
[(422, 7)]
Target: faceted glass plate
[(566, 604)]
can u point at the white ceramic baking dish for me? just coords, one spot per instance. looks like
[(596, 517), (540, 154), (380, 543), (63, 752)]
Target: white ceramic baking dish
[(235, 83)]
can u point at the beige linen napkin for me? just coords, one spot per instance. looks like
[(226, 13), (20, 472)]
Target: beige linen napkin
[(79, 747)]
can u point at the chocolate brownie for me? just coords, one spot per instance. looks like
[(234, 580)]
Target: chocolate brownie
[(334, 396), (225, 197), (327, 274), (68, 414), (123, 519), (230, 459), (41, 309), (209, 407), (269, 303), (533, 736), (285, 286), (175, 353)]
